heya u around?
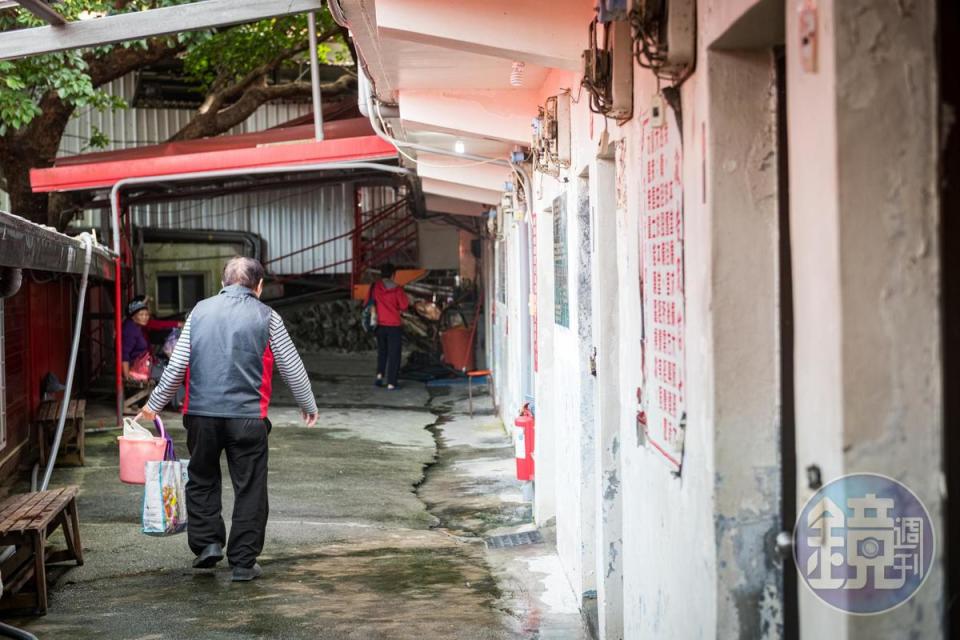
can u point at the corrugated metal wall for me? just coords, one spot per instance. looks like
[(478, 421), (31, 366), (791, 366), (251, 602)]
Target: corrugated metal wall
[(139, 127), (287, 219)]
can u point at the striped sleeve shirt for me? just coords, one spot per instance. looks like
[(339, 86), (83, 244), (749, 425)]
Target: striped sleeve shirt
[(285, 357)]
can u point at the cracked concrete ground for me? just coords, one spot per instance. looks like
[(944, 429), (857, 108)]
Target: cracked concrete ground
[(377, 525)]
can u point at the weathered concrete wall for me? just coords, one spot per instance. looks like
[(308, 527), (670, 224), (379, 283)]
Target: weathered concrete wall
[(746, 350), (558, 387), (866, 265), (669, 559), (696, 551), (608, 477), (439, 245)]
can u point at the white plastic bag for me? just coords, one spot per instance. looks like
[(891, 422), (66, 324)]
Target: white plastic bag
[(133, 431), (165, 497)]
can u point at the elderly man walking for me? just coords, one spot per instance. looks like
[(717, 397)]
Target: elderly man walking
[(226, 354)]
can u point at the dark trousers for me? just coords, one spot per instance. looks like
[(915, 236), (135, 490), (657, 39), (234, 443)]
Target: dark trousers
[(245, 441), (388, 352)]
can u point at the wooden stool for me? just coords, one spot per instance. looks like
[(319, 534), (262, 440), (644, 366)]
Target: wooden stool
[(26, 521), (476, 374), (72, 444)]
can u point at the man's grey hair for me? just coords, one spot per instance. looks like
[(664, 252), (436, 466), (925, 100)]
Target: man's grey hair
[(246, 272)]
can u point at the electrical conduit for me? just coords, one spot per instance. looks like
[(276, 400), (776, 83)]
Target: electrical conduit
[(72, 367)]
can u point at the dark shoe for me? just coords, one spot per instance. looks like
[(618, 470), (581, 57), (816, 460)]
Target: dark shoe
[(378, 382), (246, 574), (209, 557)]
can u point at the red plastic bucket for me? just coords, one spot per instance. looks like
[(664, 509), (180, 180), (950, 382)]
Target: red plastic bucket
[(456, 348)]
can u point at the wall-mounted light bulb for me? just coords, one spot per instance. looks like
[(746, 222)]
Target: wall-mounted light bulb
[(459, 147)]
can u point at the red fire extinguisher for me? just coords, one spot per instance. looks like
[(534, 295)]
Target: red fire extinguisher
[(523, 428)]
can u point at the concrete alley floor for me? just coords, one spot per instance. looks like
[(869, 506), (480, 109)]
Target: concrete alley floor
[(378, 518)]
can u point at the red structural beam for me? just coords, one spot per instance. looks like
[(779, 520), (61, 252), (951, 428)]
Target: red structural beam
[(106, 173)]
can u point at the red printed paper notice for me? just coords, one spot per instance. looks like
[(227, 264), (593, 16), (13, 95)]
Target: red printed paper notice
[(661, 288)]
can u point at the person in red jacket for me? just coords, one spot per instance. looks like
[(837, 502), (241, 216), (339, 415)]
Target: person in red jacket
[(390, 300)]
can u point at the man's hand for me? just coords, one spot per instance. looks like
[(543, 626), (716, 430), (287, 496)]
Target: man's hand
[(309, 419), (146, 413)]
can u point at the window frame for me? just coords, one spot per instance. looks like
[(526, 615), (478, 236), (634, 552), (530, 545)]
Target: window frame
[(179, 275)]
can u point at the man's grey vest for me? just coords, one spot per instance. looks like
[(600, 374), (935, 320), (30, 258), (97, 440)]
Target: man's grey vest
[(231, 365)]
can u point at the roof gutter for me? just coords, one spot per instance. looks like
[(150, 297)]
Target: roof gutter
[(227, 173), (27, 245)]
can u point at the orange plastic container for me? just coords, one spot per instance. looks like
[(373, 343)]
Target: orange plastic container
[(456, 348), (134, 454)]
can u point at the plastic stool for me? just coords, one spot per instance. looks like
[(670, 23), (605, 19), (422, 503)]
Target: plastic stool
[(476, 374)]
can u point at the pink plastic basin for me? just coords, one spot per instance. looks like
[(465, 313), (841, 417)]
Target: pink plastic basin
[(135, 453)]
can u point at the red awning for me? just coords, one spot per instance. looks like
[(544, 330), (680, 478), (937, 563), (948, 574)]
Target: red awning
[(345, 140)]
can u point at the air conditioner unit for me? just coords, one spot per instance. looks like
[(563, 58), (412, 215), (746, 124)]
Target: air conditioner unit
[(551, 136)]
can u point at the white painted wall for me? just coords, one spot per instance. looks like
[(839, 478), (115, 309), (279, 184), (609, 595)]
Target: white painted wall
[(696, 555), (867, 268)]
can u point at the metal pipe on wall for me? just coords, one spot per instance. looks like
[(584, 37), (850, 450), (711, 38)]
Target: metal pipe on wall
[(181, 177), (315, 77), (72, 367)]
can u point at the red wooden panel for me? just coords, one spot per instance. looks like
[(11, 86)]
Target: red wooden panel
[(37, 334), (16, 347), (50, 332)]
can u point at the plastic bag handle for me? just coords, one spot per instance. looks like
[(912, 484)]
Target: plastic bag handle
[(168, 453), (159, 424), (131, 427)]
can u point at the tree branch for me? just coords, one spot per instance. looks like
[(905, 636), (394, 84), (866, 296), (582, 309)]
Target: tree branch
[(214, 123), (248, 93), (121, 61)]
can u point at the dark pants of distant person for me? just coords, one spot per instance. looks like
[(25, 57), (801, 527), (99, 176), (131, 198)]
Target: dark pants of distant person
[(245, 441), (388, 352)]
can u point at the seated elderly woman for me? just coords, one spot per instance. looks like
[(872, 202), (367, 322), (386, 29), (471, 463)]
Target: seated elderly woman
[(135, 344)]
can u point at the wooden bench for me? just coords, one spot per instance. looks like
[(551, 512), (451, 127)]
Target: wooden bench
[(26, 521), (72, 444), (133, 393)]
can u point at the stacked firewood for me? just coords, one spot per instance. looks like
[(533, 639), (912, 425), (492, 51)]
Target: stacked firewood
[(335, 324)]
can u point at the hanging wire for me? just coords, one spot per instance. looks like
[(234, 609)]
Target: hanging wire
[(597, 78), (649, 47), (406, 155)]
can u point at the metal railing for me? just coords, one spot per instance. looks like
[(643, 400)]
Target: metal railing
[(387, 233)]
